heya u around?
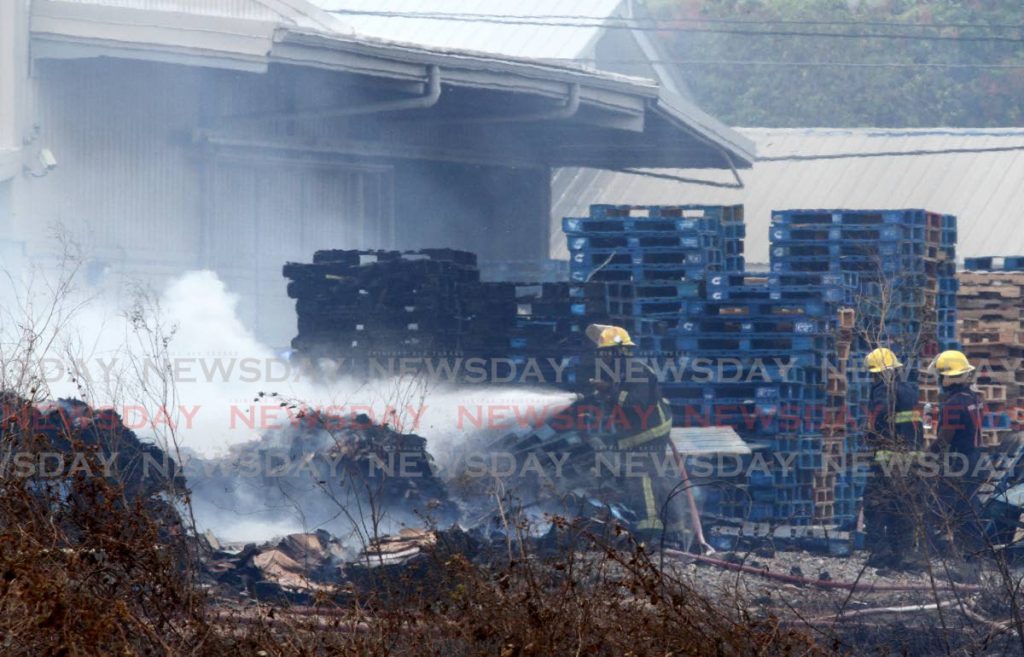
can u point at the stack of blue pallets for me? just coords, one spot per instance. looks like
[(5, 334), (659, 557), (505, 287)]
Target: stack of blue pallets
[(763, 349), (770, 354), (654, 243), (905, 261), (651, 261)]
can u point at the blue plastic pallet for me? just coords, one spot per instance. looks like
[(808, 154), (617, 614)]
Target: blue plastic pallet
[(757, 392), (781, 325), (639, 273), (722, 213), (681, 257), (596, 227), (767, 310), (910, 217), (650, 308), (754, 345), (780, 233), (995, 263), (847, 248), (863, 266), (587, 242)]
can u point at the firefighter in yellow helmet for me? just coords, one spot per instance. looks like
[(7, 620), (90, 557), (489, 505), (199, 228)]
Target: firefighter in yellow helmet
[(893, 432), (958, 440), (635, 424)]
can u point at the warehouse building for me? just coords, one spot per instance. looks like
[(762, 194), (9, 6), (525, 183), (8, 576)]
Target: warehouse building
[(168, 135)]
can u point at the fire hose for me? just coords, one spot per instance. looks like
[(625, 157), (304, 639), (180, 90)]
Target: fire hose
[(824, 584)]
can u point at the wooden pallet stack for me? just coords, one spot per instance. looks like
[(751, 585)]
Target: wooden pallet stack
[(991, 331)]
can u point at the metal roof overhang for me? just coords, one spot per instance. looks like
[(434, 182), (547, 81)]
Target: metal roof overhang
[(616, 122), (620, 122)]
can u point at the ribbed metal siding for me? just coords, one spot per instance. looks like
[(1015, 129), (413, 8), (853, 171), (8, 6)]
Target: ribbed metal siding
[(267, 212), (126, 181)]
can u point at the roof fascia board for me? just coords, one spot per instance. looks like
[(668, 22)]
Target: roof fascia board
[(154, 30), (619, 95), (463, 60), (51, 48)]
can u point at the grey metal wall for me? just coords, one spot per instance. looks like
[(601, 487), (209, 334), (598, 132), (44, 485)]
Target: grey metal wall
[(147, 201), (498, 213), (266, 212)]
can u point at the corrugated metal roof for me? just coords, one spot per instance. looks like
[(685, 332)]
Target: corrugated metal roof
[(985, 190), (534, 41), (287, 12)]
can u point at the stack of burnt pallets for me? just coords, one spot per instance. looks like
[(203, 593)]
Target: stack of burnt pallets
[(373, 308), (991, 331), (363, 305)]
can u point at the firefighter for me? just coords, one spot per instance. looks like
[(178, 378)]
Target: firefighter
[(958, 441), (894, 434), (635, 426)]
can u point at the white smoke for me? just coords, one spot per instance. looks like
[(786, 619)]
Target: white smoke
[(229, 389)]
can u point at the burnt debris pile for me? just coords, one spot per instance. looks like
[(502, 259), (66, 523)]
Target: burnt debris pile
[(67, 438), (340, 473)]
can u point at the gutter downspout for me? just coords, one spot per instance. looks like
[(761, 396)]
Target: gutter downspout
[(428, 99)]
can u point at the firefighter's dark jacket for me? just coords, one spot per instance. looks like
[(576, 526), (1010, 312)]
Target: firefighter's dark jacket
[(893, 421), (635, 412), (960, 410)]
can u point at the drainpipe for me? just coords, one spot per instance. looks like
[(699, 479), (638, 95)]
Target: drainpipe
[(428, 99), (566, 111)]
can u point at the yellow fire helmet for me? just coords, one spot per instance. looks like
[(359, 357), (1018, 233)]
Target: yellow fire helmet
[(881, 359), (605, 336), (952, 363)]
